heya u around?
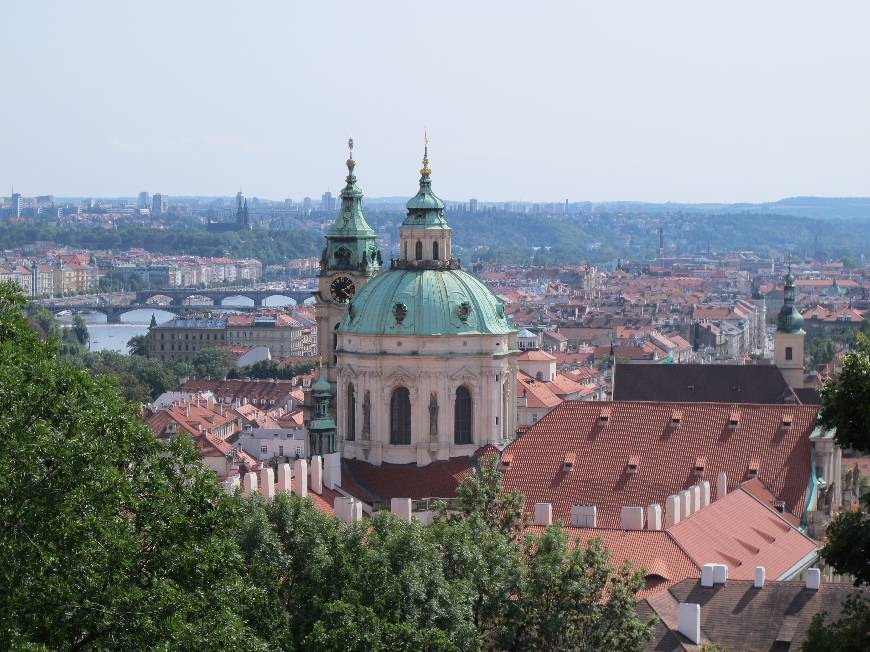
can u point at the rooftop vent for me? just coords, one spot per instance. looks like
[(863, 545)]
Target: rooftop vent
[(604, 417), (506, 460), (633, 463), (734, 418), (676, 418), (752, 471), (787, 420), (569, 461), (700, 465)]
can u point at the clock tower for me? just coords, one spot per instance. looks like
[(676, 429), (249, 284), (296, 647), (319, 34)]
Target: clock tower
[(350, 259)]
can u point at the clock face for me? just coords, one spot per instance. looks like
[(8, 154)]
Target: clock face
[(342, 289)]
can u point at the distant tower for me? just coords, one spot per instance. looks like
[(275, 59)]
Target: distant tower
[(144, 200), (243, 219), (661, 242), (159, 205), (472, 205), (788, 343), (321, 429)]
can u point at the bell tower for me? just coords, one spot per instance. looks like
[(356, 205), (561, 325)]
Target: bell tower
[(349, 260), (788, 343)]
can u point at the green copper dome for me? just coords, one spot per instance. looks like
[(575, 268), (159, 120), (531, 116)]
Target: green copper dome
[(425, 302)]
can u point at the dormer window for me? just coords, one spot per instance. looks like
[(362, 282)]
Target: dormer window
[(752, 471), (734, 419), (633, 464), (604, 416), (506, 460), (569, 461), (787, 420), (676, 418), (700, 465)]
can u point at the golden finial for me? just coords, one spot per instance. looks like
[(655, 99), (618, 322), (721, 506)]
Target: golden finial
[(425, 171)]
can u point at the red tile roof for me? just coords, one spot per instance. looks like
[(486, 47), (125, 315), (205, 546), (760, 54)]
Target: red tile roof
[(742, 532), (381, 483), (667, 454)]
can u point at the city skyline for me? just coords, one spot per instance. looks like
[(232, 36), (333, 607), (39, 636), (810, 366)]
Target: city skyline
[(701, 109)]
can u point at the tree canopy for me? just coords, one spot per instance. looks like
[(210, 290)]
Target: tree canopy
[(110, 539)]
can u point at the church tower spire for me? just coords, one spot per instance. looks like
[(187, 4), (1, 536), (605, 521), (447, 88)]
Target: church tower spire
[(788, 342), (425, 234), (349, 260)]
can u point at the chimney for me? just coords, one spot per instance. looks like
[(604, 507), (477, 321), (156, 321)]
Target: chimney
[(267, 483), (720, 573), (759, 577), (249, 484), (401, 507), (705, 493), (300, 478), (631, 518), (231, 484), (685, 503), (814, 578), (543, 514), (332, 470), (317, 474), (672, 511), (695, 493), (707, 575), (284, 477), (584, 516), (689, 621), (721, 485), (654, 517)]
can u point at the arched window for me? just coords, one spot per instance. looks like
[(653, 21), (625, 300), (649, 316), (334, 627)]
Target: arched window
[(400, 416), (435, 250), (351, 413), (418, 251), (539, 376), (462, 417)]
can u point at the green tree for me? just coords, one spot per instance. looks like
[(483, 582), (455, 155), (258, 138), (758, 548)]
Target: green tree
[(846, 396), (847, 634), (210, 363), (108, 538), (845, 401), (138, 345)]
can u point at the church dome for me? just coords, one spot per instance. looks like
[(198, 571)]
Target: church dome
[(425, 302), (789, 320)]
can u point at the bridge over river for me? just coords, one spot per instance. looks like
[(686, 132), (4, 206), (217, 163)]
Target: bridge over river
[(177, 299)]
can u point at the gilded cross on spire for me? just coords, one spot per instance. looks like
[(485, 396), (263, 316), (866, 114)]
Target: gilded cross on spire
[(425, 171)]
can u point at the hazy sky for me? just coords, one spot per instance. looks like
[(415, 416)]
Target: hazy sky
[(653, 100)]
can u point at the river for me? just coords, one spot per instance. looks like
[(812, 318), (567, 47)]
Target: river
[(114, 337)]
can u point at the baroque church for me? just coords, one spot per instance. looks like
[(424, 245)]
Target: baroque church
[(419, 360)]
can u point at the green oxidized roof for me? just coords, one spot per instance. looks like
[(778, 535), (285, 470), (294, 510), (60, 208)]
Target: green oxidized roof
[(351, 223), (425, 209), (789, 319), (434, 301)]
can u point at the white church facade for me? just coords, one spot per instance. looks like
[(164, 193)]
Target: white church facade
[(421, 357)]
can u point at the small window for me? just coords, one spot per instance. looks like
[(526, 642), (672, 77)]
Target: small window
[(418, 251), (788, 353), (280, 451), (264, 449)]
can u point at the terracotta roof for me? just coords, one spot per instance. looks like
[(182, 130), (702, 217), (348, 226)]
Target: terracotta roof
[(537, 393), (381, 483), (667, 454), (739, 616), (253, 390), (743, 533), (536, 356), (653, 550)]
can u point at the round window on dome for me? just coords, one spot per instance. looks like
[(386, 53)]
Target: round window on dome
[(464, 310), (400, 311)]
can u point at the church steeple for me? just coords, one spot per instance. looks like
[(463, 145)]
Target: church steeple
[(350, 241), (425, 234), (789, 319)]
